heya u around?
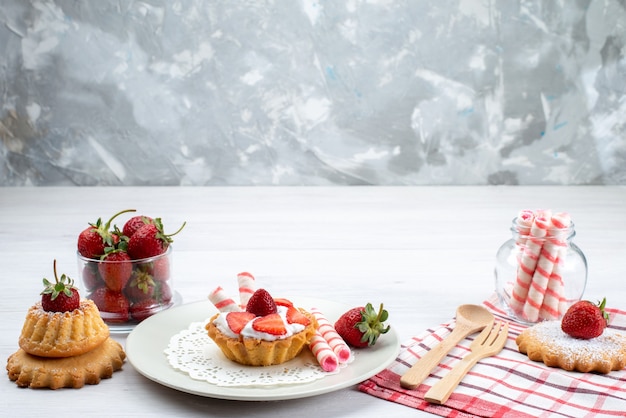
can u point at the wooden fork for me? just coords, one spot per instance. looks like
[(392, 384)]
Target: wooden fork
[(488, 343)]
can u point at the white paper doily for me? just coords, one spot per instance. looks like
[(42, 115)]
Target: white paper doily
[(193, 352)]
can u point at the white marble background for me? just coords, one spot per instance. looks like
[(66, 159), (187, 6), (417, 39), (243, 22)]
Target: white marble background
[(312, 92)]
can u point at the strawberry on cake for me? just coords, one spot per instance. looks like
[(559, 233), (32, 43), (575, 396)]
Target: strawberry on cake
[(64, 342), (264, 332), (579, 342)]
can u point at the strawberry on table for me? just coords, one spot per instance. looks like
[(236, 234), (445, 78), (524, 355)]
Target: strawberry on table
[(360, 327), (150, 240), (261, 303), (93, 240), (585, 320), (60, 296), (115, 269)]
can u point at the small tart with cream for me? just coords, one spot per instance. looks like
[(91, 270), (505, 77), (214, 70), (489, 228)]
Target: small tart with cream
[(267, 332), (264, 340)]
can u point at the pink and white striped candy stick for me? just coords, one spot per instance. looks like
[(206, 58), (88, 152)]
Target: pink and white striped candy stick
[(323, 353), (528, 261), (551, 308), (547, 260), (554, 298), (222, 302), (334, 340), (247, 287), (523, 222)]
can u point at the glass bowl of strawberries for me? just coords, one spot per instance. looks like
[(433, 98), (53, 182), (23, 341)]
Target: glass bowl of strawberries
[(127, 272)]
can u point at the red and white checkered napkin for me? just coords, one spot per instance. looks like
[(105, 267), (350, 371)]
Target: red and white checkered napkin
[(506, 385)]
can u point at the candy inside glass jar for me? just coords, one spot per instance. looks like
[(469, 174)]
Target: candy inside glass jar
[(540, 272)]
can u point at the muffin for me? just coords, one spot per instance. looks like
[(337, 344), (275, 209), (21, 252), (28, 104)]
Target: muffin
[(63, 334)]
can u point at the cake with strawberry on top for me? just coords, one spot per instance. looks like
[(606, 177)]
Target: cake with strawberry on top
[(579, 342), (64, 341), (261, 330)]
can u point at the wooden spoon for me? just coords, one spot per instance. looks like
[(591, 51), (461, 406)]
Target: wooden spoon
[(469, 319)]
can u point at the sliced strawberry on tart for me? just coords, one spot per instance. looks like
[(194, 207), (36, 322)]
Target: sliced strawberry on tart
[(267, 331)]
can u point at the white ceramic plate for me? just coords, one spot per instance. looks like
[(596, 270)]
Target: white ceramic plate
[(145, 347)]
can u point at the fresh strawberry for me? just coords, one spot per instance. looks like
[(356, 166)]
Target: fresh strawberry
[(237, 320), (91, 277), (294, 316), (113, 306), (270, 324), (261, 303), (150, 240), (115, 269), (133, 224), (585, 320), (360, 327), (143, 309), (164, 293), (283, 302), (93, 240), (161, 269), (141, 286), (60, 296)]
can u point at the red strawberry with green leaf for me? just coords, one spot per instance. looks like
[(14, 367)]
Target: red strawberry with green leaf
[(60, 296), (585, 320), (270, 324), (144, 308), (150, 240), (261, 303), (93, 240), (141, 286), (114, 306), (133, 224), (115, 269), (237, 320), (360, 327)]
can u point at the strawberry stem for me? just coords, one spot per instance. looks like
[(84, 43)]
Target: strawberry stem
[(64, 285), (54, 268), (179, 229), (108, 224)]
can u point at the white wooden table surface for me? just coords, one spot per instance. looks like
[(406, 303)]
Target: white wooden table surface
[(420, 250)]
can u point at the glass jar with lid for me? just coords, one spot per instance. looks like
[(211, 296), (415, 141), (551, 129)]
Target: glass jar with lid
[(539, 271)]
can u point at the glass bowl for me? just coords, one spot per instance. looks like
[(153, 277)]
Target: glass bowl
[(127, 292)]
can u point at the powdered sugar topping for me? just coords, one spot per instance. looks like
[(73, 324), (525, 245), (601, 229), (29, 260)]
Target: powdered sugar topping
[(609, 345)]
